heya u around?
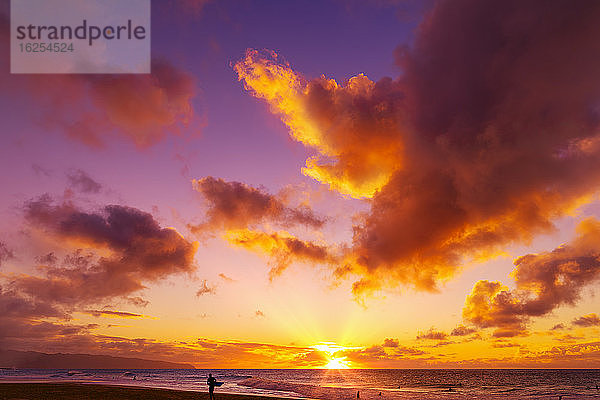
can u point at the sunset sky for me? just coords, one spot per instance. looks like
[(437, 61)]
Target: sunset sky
[(310, 184)]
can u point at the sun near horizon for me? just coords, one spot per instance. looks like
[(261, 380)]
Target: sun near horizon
[(331, 353), (338, 363)]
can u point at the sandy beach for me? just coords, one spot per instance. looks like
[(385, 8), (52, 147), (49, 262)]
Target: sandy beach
[(81, 391)]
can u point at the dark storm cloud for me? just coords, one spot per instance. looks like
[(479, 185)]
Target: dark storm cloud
[(235, 205), (135, 249), (14, 305), (488, 135)]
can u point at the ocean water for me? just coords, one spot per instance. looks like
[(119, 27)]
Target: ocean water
[(344, 384)]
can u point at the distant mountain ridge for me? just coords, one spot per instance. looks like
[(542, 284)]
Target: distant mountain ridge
[(33, 359)]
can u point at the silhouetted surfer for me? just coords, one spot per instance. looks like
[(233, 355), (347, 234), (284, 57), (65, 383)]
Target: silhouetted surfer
[(211, 382), (358, 394)]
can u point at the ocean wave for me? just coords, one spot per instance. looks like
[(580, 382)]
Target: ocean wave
[(233, 376), (304, 390), (344, 385)]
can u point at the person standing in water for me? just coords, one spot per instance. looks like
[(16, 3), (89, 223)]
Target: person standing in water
[(211, 382)]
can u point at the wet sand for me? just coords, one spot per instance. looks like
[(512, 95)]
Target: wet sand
[(85, 391)]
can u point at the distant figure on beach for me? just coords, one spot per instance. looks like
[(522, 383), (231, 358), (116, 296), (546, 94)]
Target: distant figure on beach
[(358, 394), (211, 382)]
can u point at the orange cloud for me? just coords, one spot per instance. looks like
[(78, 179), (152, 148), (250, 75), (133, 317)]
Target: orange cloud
[(237, 208), (282, 247), (491, 304), (206, 353), (142, 108), (205, 289), (226, 278), (113, 314), (353, 128), (581, 355), (51, 337), (432, 334), (90, 108), (486, 137), (543, 281), (462, 330), (388, 355)]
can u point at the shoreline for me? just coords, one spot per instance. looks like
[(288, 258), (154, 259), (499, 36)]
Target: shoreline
[(60, 390)]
